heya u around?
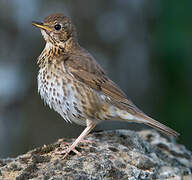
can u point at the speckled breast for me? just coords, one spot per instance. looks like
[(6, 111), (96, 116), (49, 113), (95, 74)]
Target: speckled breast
[(58, 93), (73, 100)]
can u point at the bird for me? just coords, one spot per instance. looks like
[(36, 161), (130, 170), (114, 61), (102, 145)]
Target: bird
[(71, 82)]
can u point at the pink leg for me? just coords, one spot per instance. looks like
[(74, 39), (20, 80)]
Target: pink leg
[(63, 152), (90, 126)]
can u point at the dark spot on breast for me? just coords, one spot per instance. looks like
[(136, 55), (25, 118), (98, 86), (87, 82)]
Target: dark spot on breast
[(78, 90), (83, 102), (62, 49), (58, 68), (59, 52), (65, 93), (69, 80), (80, 116), (77, 110), (73, 114), (64, 83)]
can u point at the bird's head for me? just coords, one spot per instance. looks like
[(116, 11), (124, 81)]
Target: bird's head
[(56, 29)]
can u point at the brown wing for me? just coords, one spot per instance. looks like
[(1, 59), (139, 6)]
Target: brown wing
[(85, 69)]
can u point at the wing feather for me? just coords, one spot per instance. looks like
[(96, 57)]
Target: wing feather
[(85, 69)]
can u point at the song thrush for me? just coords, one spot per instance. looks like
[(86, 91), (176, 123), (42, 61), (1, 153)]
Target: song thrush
[(74, 85)]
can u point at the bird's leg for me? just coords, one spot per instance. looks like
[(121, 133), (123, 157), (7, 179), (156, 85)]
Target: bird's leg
[(63, 152), (90, 126)]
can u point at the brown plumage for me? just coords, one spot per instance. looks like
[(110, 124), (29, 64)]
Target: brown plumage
[(73, 84)]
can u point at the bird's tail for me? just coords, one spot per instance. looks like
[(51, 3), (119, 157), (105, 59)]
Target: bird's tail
[(157, 125), (140, 117)]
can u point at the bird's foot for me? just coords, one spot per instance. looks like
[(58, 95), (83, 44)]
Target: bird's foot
[(66, 150), (90, 126), (70, 148)]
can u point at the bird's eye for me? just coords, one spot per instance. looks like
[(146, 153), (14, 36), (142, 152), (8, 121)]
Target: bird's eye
[(57, 27)]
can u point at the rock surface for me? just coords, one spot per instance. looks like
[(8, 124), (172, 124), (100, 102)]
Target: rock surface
[(119, 154)]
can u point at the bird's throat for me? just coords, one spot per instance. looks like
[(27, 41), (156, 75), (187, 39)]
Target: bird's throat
[(53, 51), (49, 53)]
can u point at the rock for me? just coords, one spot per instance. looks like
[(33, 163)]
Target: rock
[(119, 154)]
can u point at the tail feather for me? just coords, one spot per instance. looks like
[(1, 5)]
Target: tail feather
[(157, 125), (140, 117)]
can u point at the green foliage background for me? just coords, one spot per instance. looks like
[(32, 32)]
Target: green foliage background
[(173, 52)]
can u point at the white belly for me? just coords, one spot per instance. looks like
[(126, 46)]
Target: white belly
[(51, 90)]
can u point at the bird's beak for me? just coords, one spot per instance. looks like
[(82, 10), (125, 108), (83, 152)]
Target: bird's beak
[(41, 25)]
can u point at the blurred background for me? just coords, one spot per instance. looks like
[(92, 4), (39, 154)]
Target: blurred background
[(145, 46)]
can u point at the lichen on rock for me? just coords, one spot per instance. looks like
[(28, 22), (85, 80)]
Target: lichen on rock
[(119, 154)]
